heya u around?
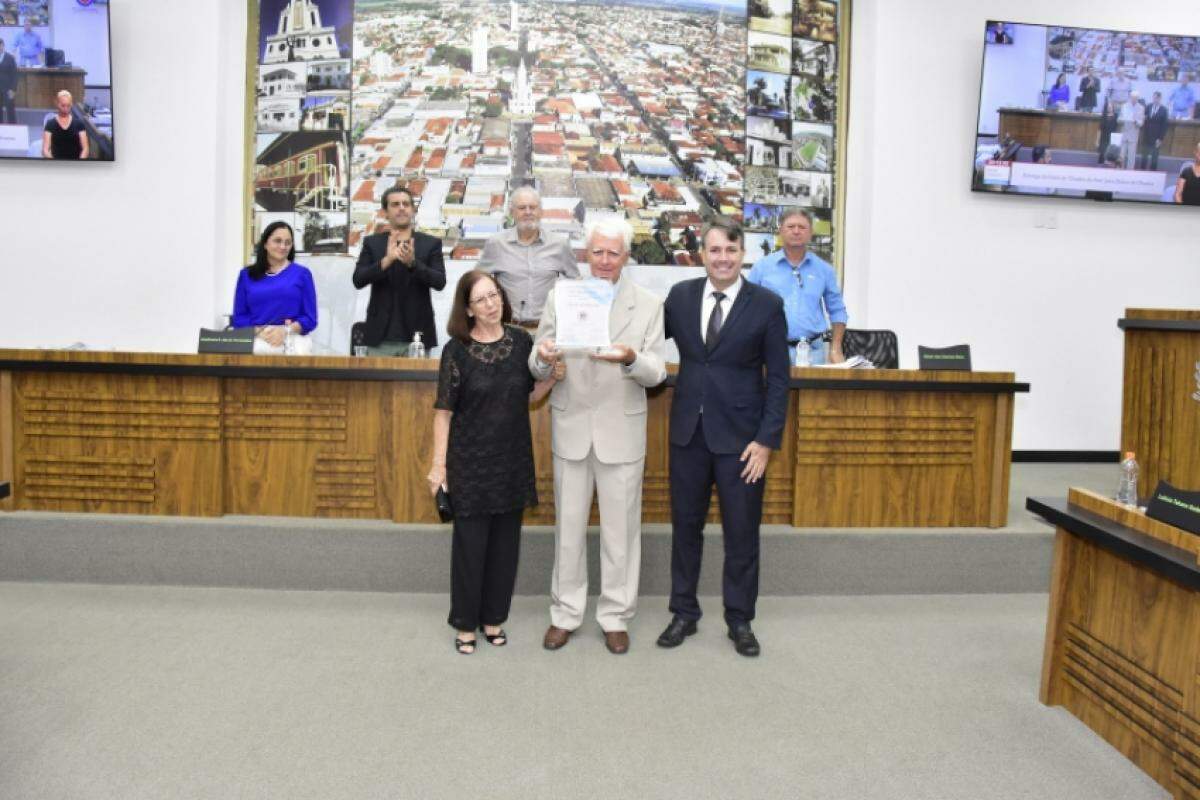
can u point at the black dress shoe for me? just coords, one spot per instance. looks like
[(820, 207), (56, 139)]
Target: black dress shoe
[(678, 629), (743, 639)]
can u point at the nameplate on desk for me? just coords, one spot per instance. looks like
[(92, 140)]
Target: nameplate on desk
[(1176, 507), (236, 340), (957, 357)]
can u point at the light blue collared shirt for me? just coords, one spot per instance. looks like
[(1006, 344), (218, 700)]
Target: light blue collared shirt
[(809, 292), (29, 46), (1182, 100)]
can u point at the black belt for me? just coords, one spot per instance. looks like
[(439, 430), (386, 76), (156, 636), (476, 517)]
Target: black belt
[(827, 336)]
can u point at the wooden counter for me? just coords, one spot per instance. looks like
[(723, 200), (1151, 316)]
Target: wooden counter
[(1160, 419), (1077, 130), (37, 87), (350, 437), (1122, 649)]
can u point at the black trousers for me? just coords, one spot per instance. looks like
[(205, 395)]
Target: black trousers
[(693, 471), (483, 568), (1147, 155), (8, 109)]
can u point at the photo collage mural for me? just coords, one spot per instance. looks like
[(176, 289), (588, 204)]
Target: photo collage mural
[(664, 113)]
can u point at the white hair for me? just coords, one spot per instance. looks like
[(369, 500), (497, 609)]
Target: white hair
[(611, 227), (64, 93), (512, 200)]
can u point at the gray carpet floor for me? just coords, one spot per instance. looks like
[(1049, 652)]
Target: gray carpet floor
[(137, 692)]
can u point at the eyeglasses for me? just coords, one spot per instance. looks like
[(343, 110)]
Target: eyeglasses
[(490, 297)]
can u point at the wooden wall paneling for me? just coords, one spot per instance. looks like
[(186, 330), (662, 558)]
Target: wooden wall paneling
[(358, 479), (7, 441), (412, 444), (868, 459), (294, 448), (1001, 460), (114, 443)]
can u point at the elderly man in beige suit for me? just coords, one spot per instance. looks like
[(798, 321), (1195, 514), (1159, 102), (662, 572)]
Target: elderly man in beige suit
[(598, 437)]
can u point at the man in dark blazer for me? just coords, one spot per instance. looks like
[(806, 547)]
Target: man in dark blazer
[(400, 265), (1154, 130), (8, 87), (728, 413)]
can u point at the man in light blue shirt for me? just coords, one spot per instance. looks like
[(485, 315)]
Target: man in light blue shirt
[(29, 47), (809, 288), (1183, 100)]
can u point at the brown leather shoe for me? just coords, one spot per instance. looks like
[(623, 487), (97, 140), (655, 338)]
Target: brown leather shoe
[(617, 642), (555, 638)]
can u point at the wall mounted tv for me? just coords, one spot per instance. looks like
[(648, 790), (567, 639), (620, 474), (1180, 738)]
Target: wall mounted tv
[(55, 80), (1086, 113)]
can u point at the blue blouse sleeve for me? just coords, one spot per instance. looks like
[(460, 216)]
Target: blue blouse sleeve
[(308, 303), (241, 304)]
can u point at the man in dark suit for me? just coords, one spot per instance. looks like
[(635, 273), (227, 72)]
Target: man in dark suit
[(1154, 130), (400, 265), (728, 413), (8, 87)]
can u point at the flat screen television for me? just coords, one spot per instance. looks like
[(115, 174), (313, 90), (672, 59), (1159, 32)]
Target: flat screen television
[(56, 80), (1088, 113)]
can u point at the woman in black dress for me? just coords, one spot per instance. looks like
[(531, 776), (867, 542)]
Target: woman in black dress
[(1187, 187), (483, 453), (64, 135)]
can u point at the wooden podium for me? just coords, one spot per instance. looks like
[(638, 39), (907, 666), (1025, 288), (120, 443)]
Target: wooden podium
[(1122, 648), (1160, 417)]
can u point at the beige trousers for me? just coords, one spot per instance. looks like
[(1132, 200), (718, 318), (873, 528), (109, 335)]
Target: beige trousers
[(619, 488)]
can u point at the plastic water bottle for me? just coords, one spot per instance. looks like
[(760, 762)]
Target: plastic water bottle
[(1127, 489), (803, 353), (289, 346), (417, 348)]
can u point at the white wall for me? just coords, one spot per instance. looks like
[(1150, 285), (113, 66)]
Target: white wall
[(81, 32), (125, 255), (940, 265)]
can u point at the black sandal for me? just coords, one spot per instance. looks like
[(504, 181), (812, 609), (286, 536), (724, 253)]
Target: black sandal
[(461, 645), (495, 639)]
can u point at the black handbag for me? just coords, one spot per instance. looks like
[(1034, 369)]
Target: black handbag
[(444, 508)]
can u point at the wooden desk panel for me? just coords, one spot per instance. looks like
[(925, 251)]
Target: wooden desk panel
[(1122, 650), (345, 437), (901, 459), (38, 87), (1076, 130), (308, 448), (122, 444), (1160, 420)]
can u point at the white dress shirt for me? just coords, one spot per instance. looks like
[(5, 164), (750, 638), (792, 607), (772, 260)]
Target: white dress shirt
[(708, 303)]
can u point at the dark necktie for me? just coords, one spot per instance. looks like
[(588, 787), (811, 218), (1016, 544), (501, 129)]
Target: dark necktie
[(714, 322)]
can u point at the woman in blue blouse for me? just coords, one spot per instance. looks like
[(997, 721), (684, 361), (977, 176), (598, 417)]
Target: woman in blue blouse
[(276, 295), (1060, 93)]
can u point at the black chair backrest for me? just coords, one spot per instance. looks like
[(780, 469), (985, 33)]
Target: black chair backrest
[(357, 333), (881, 348)]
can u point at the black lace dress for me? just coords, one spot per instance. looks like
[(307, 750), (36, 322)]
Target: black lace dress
[(489, 459)]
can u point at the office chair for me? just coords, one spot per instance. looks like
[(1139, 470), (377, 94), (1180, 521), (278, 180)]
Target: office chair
[(881, 348)]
